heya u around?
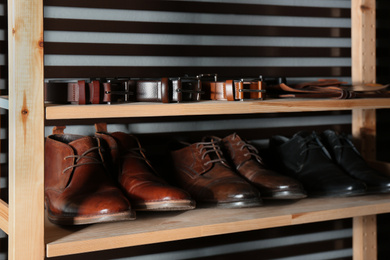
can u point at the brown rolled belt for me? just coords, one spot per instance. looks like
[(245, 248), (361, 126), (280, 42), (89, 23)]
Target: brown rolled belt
[(94, 92), (232, 90), (124, 90)]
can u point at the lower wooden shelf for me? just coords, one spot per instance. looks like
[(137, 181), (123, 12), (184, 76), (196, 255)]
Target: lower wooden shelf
[(153, 227)]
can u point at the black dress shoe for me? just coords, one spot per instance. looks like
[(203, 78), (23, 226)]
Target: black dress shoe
[(305, 158), (345, 155)]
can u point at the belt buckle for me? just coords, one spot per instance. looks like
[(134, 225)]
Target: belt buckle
[(253, 87), (205, 82), (188, 88), (122, 87), (213, 76)]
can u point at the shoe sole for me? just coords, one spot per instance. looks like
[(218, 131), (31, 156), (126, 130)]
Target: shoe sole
[(338, 194), (282, 195), (83, 220), (374, 190), (232, 204), (177, 205)]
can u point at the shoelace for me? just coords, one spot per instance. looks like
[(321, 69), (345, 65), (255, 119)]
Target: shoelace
[(312, 142), (212, 147), (139, 153), (84, 155), (252, 151)]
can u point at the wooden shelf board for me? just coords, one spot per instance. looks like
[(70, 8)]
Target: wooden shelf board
[(152, 227), (142, 109)]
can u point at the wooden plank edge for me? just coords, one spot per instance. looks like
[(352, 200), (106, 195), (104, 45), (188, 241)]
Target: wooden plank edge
[(143, 109), (347, 212), (111, 242), (4, 213), (60, 249)]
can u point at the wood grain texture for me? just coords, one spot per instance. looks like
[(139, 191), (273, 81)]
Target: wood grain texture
[(26, 135), (4, 216), (365, 238), (363, 17), (161, 227), (143, 109), (363, 35)]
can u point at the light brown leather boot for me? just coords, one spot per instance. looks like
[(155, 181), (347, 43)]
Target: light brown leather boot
[(145, 189), (78, 190)]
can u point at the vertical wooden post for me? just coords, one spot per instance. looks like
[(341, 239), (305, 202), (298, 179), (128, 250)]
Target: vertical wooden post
[(363, 15), (365, 238), (26, 129)]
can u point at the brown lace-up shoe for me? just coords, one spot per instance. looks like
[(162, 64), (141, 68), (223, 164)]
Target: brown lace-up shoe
[(249, 164), (202, 170), (140, 182), (77, 188)]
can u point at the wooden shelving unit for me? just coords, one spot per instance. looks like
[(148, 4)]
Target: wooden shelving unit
[(24, 220)]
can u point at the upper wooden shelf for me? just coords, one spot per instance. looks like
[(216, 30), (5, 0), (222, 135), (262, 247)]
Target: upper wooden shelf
[(154, 227), (142, 109)]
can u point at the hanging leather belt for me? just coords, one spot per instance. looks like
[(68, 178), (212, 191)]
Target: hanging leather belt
[(231, 90)]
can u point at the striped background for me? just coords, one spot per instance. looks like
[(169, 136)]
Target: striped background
[(300, 39)]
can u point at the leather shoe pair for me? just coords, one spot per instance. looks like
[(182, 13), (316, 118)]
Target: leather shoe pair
[(84, 185), (78, 190), (305, 158), (246, 160), (141, 183), (202, 170), (347, 157)]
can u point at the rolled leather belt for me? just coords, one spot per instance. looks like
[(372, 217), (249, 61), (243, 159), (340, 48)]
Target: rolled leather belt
[(94, 92), (124, 90), (118, 91), (61, 93), (232, 90), (168, 90)]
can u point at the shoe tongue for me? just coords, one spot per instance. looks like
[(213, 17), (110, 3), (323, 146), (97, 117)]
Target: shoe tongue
[(210, 139), (83, 144), (303, 135), (126, 140)]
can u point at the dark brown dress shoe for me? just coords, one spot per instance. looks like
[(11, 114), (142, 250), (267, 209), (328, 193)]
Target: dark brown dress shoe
[(249, 164), (202, 170), (305, 158), (345, 155), (78, 190), (145, 189)]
